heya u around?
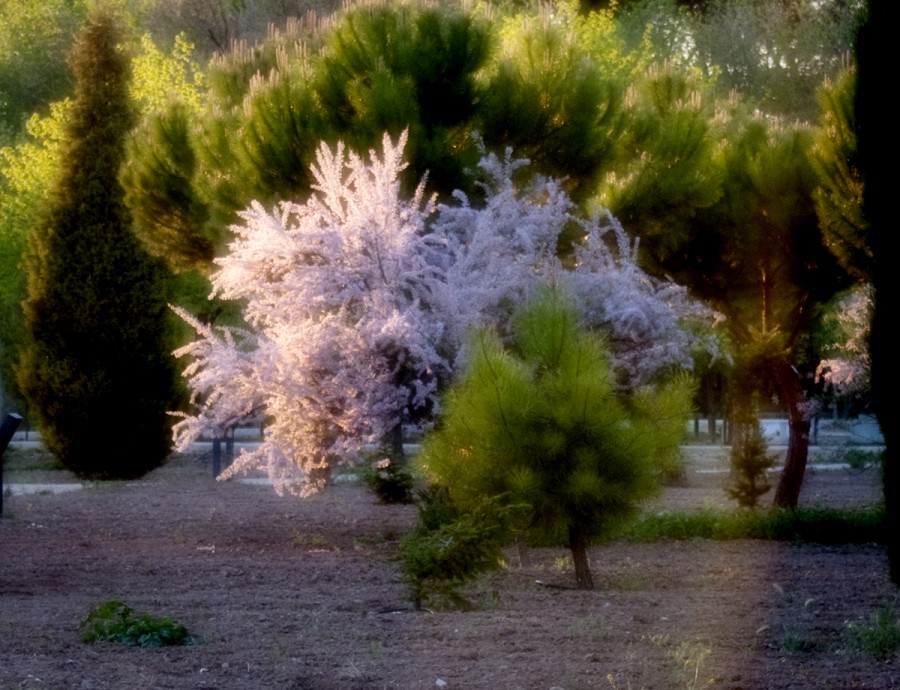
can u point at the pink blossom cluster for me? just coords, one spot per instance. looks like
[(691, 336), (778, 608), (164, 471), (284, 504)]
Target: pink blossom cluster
[(848, 370)]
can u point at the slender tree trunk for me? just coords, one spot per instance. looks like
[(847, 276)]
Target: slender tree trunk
[(578, 546), (787, 383), (398, 455)]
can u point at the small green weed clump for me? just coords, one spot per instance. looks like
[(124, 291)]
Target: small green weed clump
[(879, 637), (114, 621), (389, 481), (30, 460)]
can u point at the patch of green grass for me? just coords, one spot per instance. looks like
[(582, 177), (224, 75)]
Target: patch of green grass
[(859, 459), (375, 651), (591, 626), (798, 644), (114, 621), (629, 582), (878, 637), (308, 540), (30, 460), (794, 636), (815, 525)]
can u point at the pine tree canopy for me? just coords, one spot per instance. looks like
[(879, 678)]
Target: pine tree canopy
[(542, 423)]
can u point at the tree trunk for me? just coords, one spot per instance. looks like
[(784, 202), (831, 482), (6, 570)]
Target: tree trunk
[(884, 372), (578, 546), (398, 455), (876, 129), (787, 383)]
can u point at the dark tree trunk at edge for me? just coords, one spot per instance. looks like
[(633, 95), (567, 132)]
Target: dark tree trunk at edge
[(876, 129), (578, 546)]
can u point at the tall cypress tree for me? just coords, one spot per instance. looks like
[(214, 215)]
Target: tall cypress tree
[(96, 371)]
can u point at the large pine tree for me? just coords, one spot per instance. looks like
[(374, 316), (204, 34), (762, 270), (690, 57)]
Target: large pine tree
[(96, 372)]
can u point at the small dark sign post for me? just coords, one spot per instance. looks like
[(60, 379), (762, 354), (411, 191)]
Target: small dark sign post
[(10, 424)]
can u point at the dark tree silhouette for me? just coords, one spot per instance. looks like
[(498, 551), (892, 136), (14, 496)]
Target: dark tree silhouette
[(96, 308)]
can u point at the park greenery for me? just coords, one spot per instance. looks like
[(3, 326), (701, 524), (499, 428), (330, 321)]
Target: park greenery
[(540, 421), (358, 191)]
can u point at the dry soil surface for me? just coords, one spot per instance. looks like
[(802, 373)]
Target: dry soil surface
[(290, 593)]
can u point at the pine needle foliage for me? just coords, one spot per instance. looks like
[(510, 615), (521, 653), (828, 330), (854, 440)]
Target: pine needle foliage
[(401, 67), (542, 423), (169, 216), (98, 355), (449, 548), (840, 196), (552, 103), (749, 458)]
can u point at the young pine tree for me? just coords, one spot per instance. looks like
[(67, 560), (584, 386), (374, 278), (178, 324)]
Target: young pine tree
[(97, 369), (542, 424), (750, 459)]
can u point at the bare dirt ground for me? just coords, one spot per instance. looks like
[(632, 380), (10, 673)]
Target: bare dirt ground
[(290, 593)]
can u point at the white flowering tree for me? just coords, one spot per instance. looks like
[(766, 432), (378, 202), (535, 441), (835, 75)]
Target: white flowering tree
[(358, 304), (505, 249), (345, 307), (847, 371)]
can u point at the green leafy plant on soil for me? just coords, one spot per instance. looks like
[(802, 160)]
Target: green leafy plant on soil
[(114, 621), (878, 637), (796, 636), (688, 658)]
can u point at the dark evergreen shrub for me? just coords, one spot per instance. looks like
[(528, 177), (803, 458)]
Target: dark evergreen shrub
[(389, 480), (750, 461), (97, 370)]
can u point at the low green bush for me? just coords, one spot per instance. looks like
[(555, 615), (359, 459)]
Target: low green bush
[(390, 481), (30, 460), (449, 548), (859, 459), (114, 621), (814, 525)]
